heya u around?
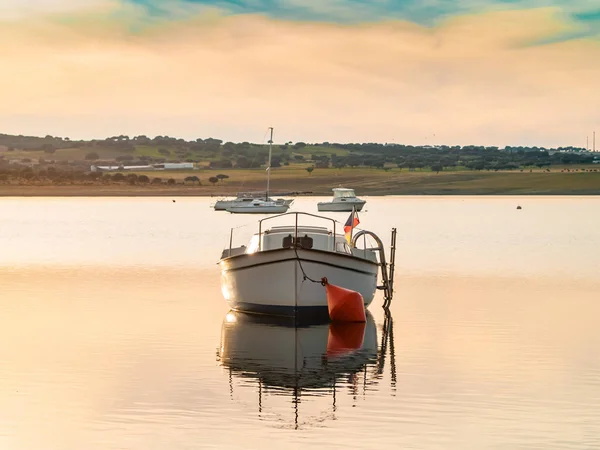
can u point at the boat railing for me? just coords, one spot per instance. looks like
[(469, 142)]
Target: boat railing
[(387, 271), (260, 232)]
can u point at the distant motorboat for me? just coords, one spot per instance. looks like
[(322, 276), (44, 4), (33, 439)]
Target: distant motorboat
[(274, 274), (344, 200)]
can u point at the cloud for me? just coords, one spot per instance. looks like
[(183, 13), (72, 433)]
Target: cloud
[(19, 9), (424, 12), (469, 79)]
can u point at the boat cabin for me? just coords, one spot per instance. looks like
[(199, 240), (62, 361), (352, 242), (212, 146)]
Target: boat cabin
[(343, 193), (307, 238)]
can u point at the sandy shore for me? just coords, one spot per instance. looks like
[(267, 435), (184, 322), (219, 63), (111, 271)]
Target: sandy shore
[(103, 191)]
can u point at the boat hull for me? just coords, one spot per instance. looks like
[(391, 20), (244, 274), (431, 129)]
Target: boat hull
[(267, 209), (340, 206), (223, 205), (272, 282)]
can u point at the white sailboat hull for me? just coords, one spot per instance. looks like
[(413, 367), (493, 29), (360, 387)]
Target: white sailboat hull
[(341, 206), (271, 282), (223, 205), (261, 209)]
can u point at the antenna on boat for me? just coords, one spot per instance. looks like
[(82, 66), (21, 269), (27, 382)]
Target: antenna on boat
[(269, 163)]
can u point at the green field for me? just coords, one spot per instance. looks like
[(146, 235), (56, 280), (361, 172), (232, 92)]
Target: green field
[(321, 181), (395, 181)]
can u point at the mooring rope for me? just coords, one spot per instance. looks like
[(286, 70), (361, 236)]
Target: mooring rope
[(322, 281)]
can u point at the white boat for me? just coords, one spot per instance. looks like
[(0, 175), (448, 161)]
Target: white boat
[(261, 206), (258, 206), (272, 275), (344, 200), (247, 197)]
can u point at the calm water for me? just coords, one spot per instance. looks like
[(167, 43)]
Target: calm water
[(115, 334)]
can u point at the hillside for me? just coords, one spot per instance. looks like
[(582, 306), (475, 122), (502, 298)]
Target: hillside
[(159, 149), (59, 166), (215, 153)]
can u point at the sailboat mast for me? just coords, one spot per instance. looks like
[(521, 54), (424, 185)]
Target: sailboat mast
[(269, 164)]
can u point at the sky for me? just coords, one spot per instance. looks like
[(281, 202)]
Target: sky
[(461, 72)]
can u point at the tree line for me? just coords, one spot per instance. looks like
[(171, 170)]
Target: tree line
[(243, 155), (67, 175)]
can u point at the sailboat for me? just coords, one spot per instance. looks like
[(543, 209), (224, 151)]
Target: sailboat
[(246, 197), (257, 205)]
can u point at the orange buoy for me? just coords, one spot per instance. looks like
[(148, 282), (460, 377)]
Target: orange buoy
[(345, 337), (344, 305)]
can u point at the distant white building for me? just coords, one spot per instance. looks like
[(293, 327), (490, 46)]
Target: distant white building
[(173, 166), (119, 167), (161, 166)]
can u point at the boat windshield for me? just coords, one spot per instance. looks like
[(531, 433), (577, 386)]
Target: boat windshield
[(344, 193)]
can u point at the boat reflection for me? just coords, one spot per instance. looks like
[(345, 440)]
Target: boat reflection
[(282, 357)]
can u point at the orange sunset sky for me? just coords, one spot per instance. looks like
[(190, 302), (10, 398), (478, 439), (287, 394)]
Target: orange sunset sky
[(405, 71)]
